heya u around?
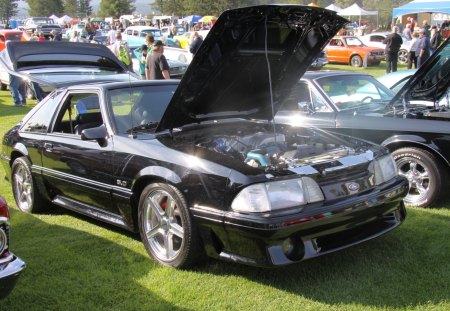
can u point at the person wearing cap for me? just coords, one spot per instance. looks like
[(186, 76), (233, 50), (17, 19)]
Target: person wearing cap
[(423, 48), (157, 65), (55, 36)]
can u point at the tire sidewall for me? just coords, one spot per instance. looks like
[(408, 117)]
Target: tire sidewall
[(22, 162), (180, 260)]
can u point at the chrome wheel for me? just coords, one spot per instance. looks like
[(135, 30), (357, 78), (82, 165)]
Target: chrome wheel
[(424, 173), (402, 56), (356, 61), (23, 188), (163, 225)]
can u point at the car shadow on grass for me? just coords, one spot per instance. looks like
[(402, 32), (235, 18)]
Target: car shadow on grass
[(408, 267), (70, 269)]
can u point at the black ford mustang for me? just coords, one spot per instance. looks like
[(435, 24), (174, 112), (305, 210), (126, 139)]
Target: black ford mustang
[(197, 166)]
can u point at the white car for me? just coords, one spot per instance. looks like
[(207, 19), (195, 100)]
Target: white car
[(375, 39), (135, 35)]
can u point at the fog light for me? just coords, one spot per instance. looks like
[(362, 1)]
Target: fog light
[(287, 246)]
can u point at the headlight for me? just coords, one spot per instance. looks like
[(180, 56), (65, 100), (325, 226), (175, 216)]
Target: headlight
[(384, 169), (277, 195)]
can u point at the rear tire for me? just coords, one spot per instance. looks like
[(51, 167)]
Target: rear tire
[(26, 194), (166, 227), (356, 61), (425, 174)]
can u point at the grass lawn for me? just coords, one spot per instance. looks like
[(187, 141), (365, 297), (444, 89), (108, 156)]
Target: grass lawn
[(75, 263)]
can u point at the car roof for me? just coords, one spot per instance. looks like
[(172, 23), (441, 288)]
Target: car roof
[(108, 85), (140, 27), (327, 73)]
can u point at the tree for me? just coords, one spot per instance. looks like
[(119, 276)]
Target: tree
[(85, 7), (8, 8), (71, 7), (45, 7), (116, 8)]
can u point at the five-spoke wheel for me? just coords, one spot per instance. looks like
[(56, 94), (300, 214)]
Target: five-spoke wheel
[(166, 227), (27, 197)]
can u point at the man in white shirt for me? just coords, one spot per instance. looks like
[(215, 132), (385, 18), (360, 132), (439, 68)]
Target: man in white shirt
[(112, 35)]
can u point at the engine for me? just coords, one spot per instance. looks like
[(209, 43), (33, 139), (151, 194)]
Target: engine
[(275, 151)]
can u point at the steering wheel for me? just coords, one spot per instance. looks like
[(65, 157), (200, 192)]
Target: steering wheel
[(369, 98)]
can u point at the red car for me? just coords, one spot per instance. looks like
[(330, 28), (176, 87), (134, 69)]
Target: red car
[(10, 264), (12, 35), (350, 50)]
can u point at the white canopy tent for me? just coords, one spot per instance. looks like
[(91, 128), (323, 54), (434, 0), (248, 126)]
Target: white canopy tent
[(356, 10), (333, 7), (64, 19)]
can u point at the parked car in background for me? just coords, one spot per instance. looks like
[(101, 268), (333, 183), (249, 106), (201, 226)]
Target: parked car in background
[(319, 62), (79, 28), (196, 166), (42, 25), (350, 50), (375, 39), (396, 80), (135, 35), (10, 265), (12, 35), (413, 123), (166, 30)]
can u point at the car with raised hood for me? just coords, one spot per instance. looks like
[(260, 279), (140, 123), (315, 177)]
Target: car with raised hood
[(412, 122), (10, 265), (197, 166)]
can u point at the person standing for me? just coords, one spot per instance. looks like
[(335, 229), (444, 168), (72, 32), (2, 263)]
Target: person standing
[(393, 43), (197, 40), (435, 39), (75, 37), (412, 56), (121, 50), (423, 48), (157, 65), (55, 36), (17, 89), (407, 31), (111, 35)]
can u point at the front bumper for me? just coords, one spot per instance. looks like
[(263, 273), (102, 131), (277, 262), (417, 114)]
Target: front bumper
[(270, 240), (10, 269)]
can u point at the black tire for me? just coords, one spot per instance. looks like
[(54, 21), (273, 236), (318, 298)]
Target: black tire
[(425, 175), (3, 86), (356, 61), (167, 230), (26, 194)]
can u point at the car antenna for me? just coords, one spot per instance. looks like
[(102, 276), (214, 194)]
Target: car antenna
[(270, 79)]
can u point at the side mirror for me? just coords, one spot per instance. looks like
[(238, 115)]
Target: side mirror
[(95, 133), (305, 107)]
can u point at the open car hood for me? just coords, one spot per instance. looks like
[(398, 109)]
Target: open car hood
[(431, 80), (229, 75), (58, 64)]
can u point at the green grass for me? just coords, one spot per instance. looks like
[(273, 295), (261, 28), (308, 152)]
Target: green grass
[(75, 263)]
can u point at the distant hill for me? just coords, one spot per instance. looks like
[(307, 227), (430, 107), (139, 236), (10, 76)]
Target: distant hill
[(142, 7)]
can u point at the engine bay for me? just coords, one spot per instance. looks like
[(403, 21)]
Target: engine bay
[(276, 151)]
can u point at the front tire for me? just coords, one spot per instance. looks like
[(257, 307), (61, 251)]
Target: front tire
[(26, 194), (424, 173), (356, 61), (166, 227)]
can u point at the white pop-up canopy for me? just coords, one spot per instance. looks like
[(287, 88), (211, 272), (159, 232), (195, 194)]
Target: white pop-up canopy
[(333, 7), (356, 10)]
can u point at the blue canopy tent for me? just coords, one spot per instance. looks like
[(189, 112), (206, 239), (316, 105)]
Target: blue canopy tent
[(191, 19), (422, 6)]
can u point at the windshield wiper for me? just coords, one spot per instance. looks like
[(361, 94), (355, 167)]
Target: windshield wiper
[(143, 127)]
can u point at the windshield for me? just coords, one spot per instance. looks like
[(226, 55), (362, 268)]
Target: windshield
[(154, 32), (353, 41), (354, 91), (140, 108), (43, 21)]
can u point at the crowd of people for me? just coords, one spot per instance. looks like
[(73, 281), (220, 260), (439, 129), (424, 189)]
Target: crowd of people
[(424, 41)]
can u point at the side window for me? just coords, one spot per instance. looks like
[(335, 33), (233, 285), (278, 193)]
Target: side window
[(41, 115), (298, 99), (80, 111), (129, 32), (319, 104)]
